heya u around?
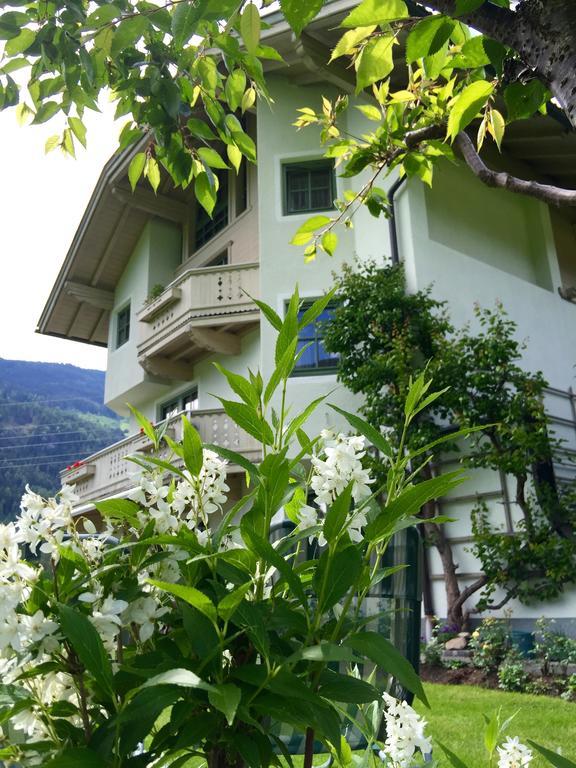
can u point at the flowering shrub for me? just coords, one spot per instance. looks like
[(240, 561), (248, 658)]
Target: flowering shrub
[(176, 629), (489, 644)]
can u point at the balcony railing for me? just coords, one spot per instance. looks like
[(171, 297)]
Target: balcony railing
[(109, 473), (204, 310)]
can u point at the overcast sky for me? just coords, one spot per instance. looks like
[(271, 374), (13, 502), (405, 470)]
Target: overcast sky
[(42, 198)]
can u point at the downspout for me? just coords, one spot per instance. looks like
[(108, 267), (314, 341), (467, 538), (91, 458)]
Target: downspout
[(427, 595), (394, 250)]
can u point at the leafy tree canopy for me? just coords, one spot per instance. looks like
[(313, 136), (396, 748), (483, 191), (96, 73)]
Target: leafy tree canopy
[(183, 73)]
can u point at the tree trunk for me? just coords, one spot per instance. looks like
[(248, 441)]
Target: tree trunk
[(436, 535), (542, 32)]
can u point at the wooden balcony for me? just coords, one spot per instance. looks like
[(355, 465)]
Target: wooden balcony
[(108, 473), (204, 311)]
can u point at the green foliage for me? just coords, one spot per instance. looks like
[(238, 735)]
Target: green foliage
[(195, 618), (511, 674), (182, 73), (480, 384), (490, 644)]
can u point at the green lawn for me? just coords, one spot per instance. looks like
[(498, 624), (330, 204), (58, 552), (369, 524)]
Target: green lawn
[(455, 718)]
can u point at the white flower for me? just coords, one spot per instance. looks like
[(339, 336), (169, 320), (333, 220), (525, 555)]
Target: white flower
[(67, 495), (37, 627), (404, 733), (308, 518), (513, 754), (144, 611), (107, 620), (9, 536), (164, 520), (338, 464)]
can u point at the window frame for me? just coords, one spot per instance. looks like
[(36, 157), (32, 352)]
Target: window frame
[(122, 327), (308, 166), (316, 370), (177, 401)]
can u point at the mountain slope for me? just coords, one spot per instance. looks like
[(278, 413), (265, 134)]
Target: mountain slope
[(51, 415)]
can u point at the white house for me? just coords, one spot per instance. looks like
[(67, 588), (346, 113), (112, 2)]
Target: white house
[(165, 288)]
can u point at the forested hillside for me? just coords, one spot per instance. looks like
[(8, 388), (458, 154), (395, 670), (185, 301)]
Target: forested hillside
[(51, 415)]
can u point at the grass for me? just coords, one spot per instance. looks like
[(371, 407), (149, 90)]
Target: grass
[(455, 718)]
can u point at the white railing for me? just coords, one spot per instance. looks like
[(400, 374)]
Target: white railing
[(108, 472), (208, 296)]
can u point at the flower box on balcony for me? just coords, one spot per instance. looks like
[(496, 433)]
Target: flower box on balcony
[(169, 296), (80, 472)]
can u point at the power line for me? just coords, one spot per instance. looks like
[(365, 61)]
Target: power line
[(48, 400), (45, 424), (71, 452), (43, 434), (80, 440)]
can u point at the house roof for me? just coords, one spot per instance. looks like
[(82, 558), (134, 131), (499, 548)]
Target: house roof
[(81, 299)]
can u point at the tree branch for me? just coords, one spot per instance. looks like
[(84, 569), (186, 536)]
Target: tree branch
[(502, 180)]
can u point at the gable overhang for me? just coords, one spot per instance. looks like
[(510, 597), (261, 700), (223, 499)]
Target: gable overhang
[(79, 305)]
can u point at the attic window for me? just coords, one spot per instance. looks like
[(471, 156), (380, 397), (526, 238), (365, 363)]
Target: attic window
[(308, 186), (123, 326)]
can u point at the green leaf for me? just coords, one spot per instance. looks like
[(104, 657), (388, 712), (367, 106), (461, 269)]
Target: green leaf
[(78, 128), (454, 759), (428, 37), (266, 551), (205, 192), (182, 677), (335, 574), (329, 242), (144, 423), (289, 330), (241, 386), (226, 698), (467, 105), (337, 514), (228, 605), (325, 652), (74, 757), (271, 315), (345, 688), (558, 761), (152, 173), (46, 111), (190, 595), (313, 223), (376, 438), (212, 158), (387, 657), (375, 62), (127, 34), (234, 88), (376, 12), (299, 13), (246, 416), (410, 502), (250, 25), (120, 509), (87, 645), (184, 19), (20, 43), (192, 444), (522, 101), (350, 40), (199, 128)]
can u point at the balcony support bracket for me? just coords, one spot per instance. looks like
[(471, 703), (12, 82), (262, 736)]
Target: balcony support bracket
[(220, 342), (166, 370)]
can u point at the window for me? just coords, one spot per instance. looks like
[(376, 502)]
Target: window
[(308, 186), (218, 261), (188, 401), (231, 202), (123, 326), (207, 226), (316, 359)]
